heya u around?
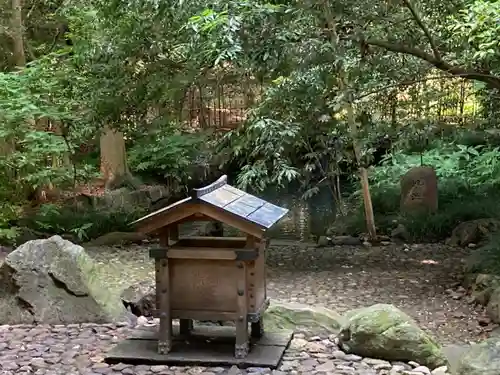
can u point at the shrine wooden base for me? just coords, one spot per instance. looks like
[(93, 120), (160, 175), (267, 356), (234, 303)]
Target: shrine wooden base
[(205, 346)]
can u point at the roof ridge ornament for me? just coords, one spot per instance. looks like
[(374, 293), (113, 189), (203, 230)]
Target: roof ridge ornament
[(197, 193)]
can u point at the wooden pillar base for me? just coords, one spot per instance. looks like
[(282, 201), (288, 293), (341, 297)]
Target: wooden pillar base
[(241, 351), (163, 297), (164, 347), (241, 347)]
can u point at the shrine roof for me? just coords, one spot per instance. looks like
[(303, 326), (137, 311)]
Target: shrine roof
[(223, 196)]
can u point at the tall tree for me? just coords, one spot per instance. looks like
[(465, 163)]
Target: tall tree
[(17, 33)]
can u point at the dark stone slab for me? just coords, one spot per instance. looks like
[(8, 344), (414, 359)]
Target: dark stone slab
[(220, 334), (206, 346)]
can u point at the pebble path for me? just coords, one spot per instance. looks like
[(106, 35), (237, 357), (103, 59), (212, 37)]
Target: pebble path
[(416, 279), (79, 349)]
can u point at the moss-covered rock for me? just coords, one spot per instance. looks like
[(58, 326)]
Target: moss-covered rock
[(385, 332), (297, 317), (481, 359), (54, 281)]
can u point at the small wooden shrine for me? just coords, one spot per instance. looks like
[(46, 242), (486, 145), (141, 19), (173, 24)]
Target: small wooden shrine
[(212, 278)]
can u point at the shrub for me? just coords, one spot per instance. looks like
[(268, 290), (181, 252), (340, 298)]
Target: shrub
[(469, 188), (82, 225), (166, 154)]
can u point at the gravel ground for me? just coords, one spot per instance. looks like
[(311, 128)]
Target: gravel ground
[(79, 349), (420, 279)]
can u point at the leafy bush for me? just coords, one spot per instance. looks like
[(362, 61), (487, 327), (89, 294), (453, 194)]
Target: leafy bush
[(166, 154), (82, 225), (38, 138), (468, 189)]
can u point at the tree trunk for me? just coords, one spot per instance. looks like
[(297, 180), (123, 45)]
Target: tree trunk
[(7, 146), (363, 175), (114, 167), (18, 33)]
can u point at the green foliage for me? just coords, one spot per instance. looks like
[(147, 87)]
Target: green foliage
[(455, 164), (166, 154), (38, 138), (82, 225), (468, 189), (478, 26), (132, 67)]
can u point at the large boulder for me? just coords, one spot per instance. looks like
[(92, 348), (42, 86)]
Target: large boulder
[(385, 332), (473, 232), (54, 281), (481, 359), (299, 317)]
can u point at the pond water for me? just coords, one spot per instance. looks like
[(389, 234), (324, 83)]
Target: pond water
[(306, 218)]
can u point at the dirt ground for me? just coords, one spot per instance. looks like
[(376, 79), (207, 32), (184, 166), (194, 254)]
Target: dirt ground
[(422, 280)]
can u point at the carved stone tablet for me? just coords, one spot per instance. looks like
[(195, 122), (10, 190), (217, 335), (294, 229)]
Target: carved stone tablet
[(419, 190)]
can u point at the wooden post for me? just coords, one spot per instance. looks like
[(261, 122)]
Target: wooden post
[(241, 347), (163, 299), (257, 328), (186, 325)]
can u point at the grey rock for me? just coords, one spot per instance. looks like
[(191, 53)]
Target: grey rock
[(54, 281), (483, 287), (385, 332), (422, 369), (323, 241), (481, 359), (400, 232), (442, 370), (297, 316)]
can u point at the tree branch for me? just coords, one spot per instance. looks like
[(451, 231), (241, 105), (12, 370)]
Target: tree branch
[(458, 71), (425, 29)]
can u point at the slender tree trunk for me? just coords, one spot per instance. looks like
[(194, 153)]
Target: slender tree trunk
[(18, 33), (114, 167), (363, 173), (363, 176), (7, 146)]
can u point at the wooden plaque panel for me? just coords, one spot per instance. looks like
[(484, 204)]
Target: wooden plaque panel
[(203, 285)]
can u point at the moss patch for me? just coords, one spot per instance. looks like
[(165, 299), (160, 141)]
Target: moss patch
[(294, 316)]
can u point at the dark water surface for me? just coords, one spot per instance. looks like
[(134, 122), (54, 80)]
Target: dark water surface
[(306, 218)]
